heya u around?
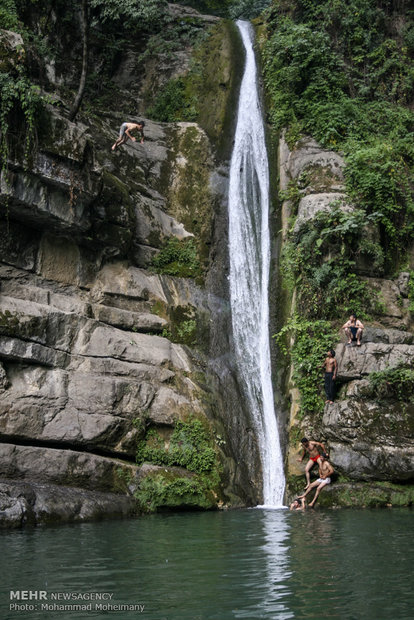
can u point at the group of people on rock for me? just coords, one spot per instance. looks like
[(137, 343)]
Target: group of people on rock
[(353, 329), (316, 450), (317, 454)]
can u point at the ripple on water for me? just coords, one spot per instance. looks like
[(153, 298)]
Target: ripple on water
[(248, 564)]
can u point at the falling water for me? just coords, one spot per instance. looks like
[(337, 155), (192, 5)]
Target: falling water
[(249, 271)]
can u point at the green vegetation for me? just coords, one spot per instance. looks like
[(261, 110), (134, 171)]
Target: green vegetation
[(174, 103), (411, 292), (395, 383), (166, 491), (320, 259), (190, 446), (343, 73), (178, 258), (336, 71), (312, 339), (229, 8)]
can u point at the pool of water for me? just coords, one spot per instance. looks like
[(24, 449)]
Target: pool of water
[(345, 564)]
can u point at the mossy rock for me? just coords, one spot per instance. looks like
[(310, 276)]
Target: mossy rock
[(172, 489), (356, 494)]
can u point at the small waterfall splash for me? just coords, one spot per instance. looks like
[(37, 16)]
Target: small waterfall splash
[(249, 248)]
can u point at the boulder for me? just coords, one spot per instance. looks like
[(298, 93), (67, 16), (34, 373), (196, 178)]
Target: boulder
[(355, 362), (22, 503), (64, 467), (312, 204)]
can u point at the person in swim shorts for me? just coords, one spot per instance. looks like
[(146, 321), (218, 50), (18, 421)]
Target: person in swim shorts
[(310, 447), (125, 133), (325, 472), (353, 330)]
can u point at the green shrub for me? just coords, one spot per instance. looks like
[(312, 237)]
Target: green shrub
[(332, 71), (320, 260), (161, 492), (173, 103), (396, 383), (311, 341), (190, 446), (178, 258)]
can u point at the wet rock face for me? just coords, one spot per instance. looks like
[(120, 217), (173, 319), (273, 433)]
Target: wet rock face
[(370, 437), (87, 364)]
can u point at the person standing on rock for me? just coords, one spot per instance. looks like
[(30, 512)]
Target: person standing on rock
[(310, 447), (125, 133), (325, 472), (330, 366), (353, 330)]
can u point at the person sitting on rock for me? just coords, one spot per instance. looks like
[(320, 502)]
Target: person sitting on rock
[(310, 447), (298, 504), (125, 133), (330, 366), (353, 329), (325, 472)]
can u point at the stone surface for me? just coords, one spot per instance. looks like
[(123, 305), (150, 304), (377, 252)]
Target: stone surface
[(309, 154), (312, 204), (64, 467), (27, 504), (87, 358), (355, 362), (369, 439)]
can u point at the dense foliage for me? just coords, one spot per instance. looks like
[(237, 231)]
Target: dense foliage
[(246, 9), (178, 258), (307, 342), (343, 72), (191, 447)]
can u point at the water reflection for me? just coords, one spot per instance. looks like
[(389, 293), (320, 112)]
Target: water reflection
[(248, 564), (276, 554)]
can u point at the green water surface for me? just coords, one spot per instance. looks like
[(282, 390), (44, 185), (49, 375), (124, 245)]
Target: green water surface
[(345, 564)]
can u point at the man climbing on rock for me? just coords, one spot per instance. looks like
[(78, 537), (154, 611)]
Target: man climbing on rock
[(310, 447), (125, 133), (353, 330), (330, 366), (325, 472)]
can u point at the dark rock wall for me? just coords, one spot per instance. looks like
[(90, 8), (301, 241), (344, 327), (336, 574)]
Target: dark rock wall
[(87, 362)]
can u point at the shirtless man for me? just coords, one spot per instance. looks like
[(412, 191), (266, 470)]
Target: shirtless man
[(330, 366), (325, 472), (353, 329), (310, 447), (125, 133)]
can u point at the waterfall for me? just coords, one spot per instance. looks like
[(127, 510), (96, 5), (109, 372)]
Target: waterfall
[(249, 249)]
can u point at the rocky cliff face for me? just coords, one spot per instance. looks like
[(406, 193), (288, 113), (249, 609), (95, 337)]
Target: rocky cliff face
[(101, 356), (370, 434)]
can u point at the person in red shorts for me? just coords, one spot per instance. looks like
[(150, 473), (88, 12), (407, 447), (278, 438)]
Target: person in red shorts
[(325, 472), (311, 448)]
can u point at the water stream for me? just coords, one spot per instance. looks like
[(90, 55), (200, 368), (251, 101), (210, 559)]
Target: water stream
[(249, 248)]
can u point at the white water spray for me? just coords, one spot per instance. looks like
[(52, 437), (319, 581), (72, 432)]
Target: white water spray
[(249, 242)]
